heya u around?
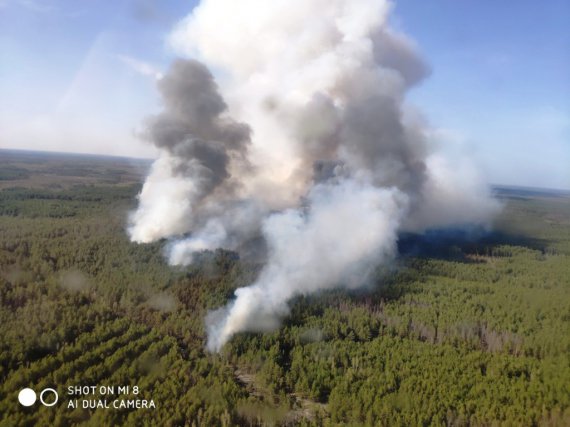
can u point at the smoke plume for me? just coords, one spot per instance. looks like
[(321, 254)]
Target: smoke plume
[(200, 144), (312, 145)]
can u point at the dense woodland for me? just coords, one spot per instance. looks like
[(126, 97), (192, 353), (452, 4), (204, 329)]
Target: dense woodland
[(464, 329)]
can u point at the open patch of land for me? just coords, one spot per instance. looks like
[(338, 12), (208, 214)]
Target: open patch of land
[(31, 169)]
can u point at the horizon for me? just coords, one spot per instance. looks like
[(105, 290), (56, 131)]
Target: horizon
[(492, 185)]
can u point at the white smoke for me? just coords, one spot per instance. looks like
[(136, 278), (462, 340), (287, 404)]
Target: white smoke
[(165, 203), (311, 144), (349, 227)]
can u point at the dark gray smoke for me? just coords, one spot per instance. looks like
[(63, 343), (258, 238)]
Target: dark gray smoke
[(199, 145)]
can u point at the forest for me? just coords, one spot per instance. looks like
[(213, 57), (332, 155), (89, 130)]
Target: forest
[(466, 328)]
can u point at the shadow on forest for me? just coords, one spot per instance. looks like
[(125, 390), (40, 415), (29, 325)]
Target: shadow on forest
[(392, 282), (388, 282), (460, 244)]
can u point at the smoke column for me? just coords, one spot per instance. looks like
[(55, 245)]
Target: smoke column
[(306, 139)]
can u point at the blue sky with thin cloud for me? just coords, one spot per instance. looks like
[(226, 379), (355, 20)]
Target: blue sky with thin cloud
[(79, 76)]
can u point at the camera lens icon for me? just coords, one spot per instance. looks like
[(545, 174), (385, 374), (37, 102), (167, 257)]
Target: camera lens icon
[(27, 397), (44, 392)]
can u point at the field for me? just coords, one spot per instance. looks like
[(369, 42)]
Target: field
[(466, 328)]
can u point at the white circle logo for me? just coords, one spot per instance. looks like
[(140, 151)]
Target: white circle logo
[(27, 397), (42, 397)]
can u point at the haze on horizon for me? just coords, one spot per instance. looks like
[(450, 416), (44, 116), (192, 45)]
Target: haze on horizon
[(81, 78)]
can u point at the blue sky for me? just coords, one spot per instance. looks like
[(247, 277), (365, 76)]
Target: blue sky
[(79, 76)]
